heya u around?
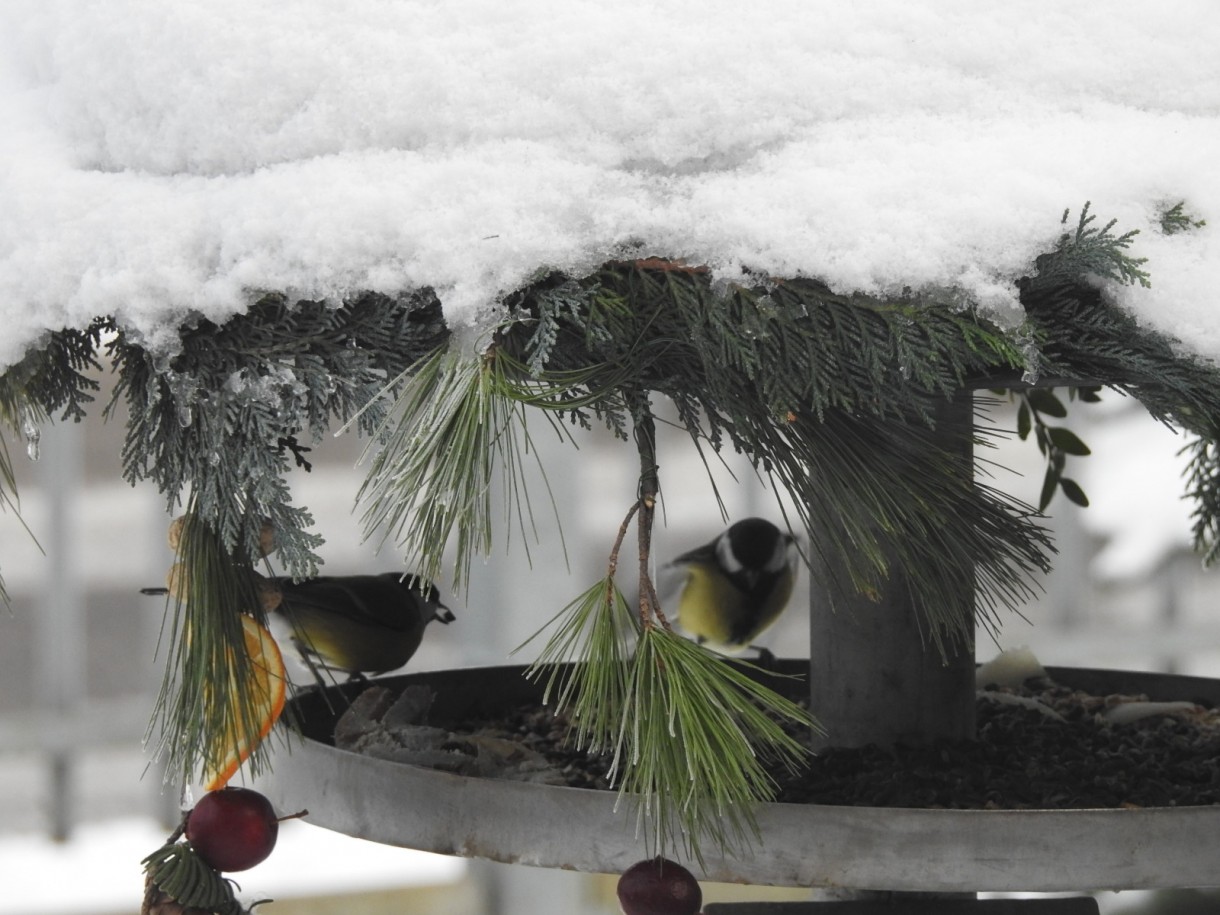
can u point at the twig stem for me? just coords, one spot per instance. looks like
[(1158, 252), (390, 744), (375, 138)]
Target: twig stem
[(650, 486)]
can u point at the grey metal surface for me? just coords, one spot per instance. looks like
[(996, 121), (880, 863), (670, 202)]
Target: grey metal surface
[(875, 676), (802, 845)]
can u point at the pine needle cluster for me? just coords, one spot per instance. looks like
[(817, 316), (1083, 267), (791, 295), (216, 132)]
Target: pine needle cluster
[(197, 720), (689, 734)]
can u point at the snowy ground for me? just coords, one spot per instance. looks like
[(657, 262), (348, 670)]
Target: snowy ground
[(99, 869)]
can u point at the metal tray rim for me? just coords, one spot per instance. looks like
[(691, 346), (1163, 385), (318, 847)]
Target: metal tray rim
[(891, 848)]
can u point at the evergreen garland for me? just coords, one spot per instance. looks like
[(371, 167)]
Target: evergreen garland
[(839, 400)]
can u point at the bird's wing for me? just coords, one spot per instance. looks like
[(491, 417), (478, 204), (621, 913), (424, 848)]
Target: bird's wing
[(671, 579), (363, 598), (704, 553)]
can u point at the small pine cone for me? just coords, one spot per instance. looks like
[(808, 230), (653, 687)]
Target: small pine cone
[(269, 595), (266, 535), (266, 538), (174, 535), (176, 581)]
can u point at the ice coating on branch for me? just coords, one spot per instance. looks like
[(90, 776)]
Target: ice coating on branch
[(159, 160), (33, 435)]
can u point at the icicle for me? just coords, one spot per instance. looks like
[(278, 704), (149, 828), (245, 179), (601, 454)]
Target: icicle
[(186, 391), (1033, 358), (1031, 355), (33, 434)]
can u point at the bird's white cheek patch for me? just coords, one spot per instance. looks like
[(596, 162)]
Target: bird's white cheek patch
[(724, 554), (784, 553)]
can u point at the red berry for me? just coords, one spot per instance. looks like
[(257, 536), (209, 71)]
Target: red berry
[(232, 829), (659, 887)]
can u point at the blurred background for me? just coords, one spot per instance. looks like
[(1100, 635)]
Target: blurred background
[(81, 799)]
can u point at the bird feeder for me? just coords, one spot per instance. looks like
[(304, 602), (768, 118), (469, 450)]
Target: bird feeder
[(817, 232)]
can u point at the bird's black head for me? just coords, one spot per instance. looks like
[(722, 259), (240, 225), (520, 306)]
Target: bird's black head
[(756, 543)]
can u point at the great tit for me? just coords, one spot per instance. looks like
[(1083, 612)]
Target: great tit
[(359, 624), (737, 585)]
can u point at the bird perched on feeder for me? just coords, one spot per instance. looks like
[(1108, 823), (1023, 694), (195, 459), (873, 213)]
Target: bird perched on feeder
[(361, 624), (358, 624), (736, 585)]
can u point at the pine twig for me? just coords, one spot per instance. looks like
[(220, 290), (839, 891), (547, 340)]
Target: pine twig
[(650, 486)]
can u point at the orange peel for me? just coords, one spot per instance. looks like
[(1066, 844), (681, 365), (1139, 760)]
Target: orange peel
[(263, 694)]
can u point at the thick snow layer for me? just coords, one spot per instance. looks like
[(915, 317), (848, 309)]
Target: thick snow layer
[(158, 158)]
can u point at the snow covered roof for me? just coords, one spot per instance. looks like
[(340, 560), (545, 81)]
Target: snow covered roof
[(158, 158)]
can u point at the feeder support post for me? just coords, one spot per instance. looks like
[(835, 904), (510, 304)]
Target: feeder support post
[(875, 676)]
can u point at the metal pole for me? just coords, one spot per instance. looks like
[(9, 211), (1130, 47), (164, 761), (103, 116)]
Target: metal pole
[(875, 677), (60, 625)]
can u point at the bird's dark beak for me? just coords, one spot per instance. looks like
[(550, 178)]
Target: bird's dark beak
[(443, 614)]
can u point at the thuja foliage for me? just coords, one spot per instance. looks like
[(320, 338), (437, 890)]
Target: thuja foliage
[(233, 410), (228, 416), (1176, 219), (821, 390)]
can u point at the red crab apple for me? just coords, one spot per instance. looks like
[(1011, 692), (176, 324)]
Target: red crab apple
[(659, 886), (232, 829)]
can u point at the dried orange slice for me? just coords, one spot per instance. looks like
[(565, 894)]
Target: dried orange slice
[(254, 705)]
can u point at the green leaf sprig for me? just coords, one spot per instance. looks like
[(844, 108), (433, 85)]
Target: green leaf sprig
[(1056, 443)]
